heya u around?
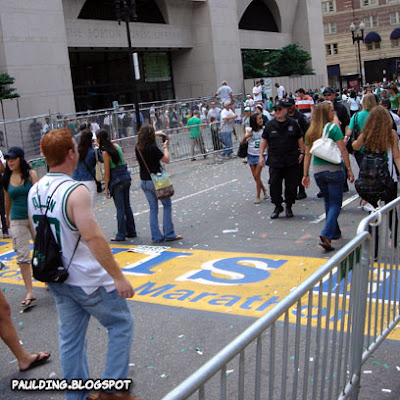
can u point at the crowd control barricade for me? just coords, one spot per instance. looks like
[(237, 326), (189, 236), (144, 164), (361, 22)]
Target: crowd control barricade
[(120, 121), (314, 342), (179, 146)]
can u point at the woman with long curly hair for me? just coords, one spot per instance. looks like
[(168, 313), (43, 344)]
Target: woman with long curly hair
[(149, 156), (369, 102), (17, 180), (379, 137), (85, 170), (117, 182), (329, 176)]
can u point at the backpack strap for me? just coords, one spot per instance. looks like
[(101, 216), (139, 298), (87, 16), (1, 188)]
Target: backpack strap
[(47, 209)]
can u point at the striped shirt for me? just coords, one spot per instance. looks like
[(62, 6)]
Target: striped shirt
[(305, 104)]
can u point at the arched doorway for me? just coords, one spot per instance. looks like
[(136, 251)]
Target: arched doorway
[(259, 16)]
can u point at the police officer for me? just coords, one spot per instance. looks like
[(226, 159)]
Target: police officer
[(304, 124), (283, 139)]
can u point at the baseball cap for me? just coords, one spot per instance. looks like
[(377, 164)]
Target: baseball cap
[(279, 104), (14, 152), (247, 109), (329, 90), (227, 103), (288, 102)]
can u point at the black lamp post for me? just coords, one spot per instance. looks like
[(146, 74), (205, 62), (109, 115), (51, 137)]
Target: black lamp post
[(358, 38), (124, 10)]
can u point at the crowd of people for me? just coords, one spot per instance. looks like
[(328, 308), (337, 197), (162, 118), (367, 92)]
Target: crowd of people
[(279, 134)]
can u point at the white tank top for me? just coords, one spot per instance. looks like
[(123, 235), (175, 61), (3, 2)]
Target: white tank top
[(85, 271)]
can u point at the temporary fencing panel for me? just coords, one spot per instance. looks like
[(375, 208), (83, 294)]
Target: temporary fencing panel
[(350, 304)]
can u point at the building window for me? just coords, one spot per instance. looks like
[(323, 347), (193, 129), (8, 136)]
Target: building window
[(367, 3), (331, 49), (396, 43), (373, 46), (395, 18), (330, 28), (393, 1), (328, 6), (371, 21)]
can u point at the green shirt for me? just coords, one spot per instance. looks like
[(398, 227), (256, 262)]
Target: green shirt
[(195, 131), (362, 117), (335, 134), (19, 200), (394, 101), (121, 156)]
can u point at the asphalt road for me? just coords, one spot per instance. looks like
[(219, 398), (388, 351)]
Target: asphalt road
[(213, 209)]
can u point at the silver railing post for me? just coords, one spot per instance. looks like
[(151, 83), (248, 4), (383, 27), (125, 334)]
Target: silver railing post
[(359, 317)]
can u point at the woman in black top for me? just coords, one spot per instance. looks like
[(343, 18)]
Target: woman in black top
[(152, 155)]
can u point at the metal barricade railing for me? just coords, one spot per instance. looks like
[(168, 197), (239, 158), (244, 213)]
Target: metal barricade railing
[(120, 122), (349, 305), (179, 147)]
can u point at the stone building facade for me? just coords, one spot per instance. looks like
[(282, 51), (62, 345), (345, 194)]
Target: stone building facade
[(380, 52), (69, 55)]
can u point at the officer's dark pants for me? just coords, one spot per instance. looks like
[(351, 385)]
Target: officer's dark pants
[(276, 177)]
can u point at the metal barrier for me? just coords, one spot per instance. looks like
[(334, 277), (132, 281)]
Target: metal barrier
[(179, 147), (120, 122), (312, 345)]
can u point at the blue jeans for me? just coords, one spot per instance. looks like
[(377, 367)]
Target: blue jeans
[(74, 308), (331, 186), (126, 223), (226, 138), (168, 226)]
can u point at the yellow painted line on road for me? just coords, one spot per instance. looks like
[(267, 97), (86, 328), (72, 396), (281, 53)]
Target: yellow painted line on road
[(247, 284)]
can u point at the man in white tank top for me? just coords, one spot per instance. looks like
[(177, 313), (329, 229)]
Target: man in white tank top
[(95, 286)]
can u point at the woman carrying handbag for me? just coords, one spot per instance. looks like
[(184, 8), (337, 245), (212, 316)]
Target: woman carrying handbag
[(149, 156), (328, 175)]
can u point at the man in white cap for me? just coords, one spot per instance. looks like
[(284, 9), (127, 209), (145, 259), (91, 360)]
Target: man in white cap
[(224, 93)]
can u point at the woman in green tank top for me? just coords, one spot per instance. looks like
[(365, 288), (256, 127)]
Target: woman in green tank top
[(17, 180), (117, 183)]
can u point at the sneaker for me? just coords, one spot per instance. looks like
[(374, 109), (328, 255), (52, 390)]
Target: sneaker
[(193, 159), (368, 207)]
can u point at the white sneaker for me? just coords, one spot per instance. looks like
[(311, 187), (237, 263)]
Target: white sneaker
[(368, 207)]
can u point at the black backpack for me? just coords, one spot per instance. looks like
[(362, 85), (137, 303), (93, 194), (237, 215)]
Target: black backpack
[(47, 265), (374, 181)]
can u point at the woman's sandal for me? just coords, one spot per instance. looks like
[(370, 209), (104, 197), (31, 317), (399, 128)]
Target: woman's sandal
[(325, 243), (40, 359), (177, 237), (28, 303)]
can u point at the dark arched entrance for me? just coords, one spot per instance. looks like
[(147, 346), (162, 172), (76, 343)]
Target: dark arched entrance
[(258, 17)]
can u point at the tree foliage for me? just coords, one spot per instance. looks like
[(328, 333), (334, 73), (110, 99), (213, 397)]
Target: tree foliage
[(290, 60), (6, 91)]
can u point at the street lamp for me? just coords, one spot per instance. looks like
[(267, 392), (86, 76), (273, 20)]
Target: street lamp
[(124, 10), (358, 38)]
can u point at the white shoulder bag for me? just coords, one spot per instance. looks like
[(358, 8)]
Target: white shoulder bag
[(326, 148)]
